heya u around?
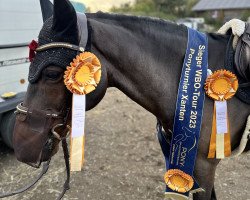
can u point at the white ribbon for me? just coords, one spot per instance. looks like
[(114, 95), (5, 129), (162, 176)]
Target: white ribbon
[(77, 134), (221, 127), (221, 117)]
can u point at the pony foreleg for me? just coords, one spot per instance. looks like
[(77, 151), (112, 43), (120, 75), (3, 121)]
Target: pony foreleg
[(204, 174)]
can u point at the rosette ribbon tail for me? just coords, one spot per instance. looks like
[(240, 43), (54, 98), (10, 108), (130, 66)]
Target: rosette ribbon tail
[(220, 142), (77, 138)]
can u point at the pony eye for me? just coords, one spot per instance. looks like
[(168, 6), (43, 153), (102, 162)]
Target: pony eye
[(53, 75)]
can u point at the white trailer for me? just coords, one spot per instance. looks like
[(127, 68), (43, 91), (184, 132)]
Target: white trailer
[(20, 22)]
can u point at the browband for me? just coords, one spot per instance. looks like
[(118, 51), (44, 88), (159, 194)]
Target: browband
[(59, 45)]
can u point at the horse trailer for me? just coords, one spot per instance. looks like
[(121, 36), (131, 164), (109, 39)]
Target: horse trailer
[(20, 22)]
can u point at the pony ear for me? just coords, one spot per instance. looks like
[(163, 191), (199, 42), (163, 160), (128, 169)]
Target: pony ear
[(47, 9), (64, 18)]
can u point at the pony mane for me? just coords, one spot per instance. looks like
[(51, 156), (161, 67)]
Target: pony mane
[(142, 20)]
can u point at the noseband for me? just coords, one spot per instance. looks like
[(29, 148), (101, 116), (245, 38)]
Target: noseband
[(25, 110), (20, 109)]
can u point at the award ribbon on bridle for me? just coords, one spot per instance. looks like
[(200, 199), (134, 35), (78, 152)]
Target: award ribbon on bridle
[(220, 86), (81, 78)]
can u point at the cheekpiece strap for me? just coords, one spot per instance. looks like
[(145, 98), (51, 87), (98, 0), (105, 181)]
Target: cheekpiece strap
[(53, 45), (82, 29)]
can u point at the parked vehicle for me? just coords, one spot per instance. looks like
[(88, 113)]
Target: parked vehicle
[(20, 22), (78, 5), (195, 23)]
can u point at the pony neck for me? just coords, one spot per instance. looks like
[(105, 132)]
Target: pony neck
[(143, 57)]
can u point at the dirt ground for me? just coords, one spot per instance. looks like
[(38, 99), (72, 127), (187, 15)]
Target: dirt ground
[(123, 161)]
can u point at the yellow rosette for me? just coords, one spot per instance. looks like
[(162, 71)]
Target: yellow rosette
[(220, 86), (83, 74), (178, 181), (81, 77)]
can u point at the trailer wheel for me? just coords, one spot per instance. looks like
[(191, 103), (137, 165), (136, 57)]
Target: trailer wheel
[(7, 126)]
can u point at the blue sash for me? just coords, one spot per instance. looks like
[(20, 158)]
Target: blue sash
[(189, 108)]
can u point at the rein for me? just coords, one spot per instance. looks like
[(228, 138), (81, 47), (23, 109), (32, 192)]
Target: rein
[(66, 129), (23, 189)]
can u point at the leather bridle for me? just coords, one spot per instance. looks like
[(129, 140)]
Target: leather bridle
[(64, 114), (24, 110), (20, 109)]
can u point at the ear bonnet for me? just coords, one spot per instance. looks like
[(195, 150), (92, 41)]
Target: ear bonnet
[(72, 30)]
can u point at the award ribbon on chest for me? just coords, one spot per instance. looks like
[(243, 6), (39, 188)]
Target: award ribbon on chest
[(81, 78), (181, 156), (220, 86)]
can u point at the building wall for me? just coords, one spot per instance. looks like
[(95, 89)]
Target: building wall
[(225, 15), (230, 14)]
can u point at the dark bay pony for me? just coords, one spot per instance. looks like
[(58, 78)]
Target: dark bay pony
[(140, 56)]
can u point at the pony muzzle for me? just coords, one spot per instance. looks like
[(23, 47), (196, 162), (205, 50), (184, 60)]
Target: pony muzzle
[(33, 140)]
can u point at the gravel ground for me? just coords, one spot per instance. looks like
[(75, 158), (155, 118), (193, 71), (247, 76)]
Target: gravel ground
[(123, 161)]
